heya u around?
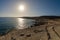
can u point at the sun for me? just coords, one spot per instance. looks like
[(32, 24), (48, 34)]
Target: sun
[(21, 8)]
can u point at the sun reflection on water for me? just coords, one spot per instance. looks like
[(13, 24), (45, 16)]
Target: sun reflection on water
[(24, 23), (20, 23)]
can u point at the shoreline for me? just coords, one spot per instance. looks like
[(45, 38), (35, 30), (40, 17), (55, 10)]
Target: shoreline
[(48, 30)]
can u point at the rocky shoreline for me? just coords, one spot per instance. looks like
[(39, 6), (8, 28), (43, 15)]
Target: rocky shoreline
[(45, 29)]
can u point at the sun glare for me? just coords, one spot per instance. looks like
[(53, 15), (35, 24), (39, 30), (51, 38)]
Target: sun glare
[(21, 8)]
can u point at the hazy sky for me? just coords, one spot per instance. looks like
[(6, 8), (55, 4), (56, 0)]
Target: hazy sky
[(9, 8)]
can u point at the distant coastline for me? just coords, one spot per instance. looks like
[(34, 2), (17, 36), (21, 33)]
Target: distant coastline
[(38, 17)]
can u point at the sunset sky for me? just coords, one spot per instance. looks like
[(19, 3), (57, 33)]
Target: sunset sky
[(21, 8)]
